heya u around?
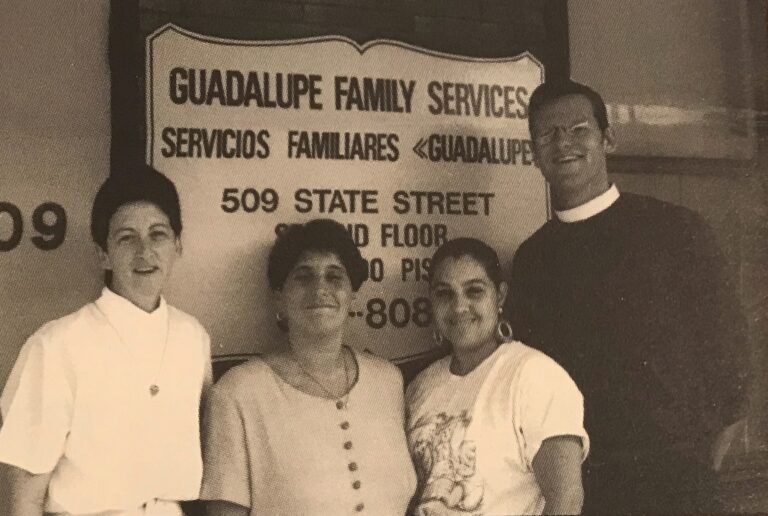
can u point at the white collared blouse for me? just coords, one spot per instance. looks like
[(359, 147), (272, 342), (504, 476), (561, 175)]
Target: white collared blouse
[(78, 404)]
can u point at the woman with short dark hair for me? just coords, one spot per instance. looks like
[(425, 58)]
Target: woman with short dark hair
[(101, 411), (313, 427)]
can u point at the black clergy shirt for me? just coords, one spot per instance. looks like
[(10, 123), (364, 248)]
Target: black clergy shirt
[(634, 302)]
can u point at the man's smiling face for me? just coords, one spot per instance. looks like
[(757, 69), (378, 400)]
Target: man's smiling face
[(570, 150)]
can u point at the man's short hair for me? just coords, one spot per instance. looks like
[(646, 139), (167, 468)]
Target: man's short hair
[(552, 90), (145, 184)]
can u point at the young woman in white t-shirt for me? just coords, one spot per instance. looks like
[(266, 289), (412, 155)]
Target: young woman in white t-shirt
[(496, 427)]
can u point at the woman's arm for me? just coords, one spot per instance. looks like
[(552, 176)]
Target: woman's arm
[(557, 466), (227, 449), (23, 492), (221, 508)]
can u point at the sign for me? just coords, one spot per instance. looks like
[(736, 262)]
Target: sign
[(406, 146)]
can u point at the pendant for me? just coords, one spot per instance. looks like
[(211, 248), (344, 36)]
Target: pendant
[(154, 389)]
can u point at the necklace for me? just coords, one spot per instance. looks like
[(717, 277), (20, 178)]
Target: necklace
[(154, 389), (341, 401)]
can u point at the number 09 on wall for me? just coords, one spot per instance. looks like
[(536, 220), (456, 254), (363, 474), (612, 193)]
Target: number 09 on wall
[(49, 226)]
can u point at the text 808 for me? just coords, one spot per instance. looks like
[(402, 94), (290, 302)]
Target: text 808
[(398, 312)]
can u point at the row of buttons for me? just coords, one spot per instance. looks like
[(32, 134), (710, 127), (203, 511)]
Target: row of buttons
[(352, 466)]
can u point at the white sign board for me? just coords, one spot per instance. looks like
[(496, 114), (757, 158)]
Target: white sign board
[(406, 146)]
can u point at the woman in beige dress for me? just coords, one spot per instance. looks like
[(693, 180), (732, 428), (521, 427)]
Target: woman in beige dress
[(313, 427)]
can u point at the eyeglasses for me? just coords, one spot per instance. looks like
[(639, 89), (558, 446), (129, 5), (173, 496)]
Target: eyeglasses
[(578, 130)]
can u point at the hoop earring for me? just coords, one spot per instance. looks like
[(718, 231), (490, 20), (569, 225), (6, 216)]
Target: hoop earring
[(504, 331), (439, 339), (281, 321)]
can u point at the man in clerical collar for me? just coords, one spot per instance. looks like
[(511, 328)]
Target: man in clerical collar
[(629, 294)]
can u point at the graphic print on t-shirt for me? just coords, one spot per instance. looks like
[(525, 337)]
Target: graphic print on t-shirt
[(445, 463)]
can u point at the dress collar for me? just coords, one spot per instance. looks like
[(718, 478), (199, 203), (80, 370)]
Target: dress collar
[(590, 208), (127, 318)]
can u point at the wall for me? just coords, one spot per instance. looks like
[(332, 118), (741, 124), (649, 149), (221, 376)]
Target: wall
[(54, 147)]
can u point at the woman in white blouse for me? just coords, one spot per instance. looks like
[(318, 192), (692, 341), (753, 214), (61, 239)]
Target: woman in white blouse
[(313, 427), (496, 427), (101, 411)]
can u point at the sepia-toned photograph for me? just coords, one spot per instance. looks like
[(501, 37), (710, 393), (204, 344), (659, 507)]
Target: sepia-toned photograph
[(387, 257)]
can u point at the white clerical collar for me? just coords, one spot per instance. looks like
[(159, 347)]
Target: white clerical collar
[(590, 208), (129, 318)]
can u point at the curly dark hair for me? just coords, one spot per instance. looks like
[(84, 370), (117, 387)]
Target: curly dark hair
[(324, 235)]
